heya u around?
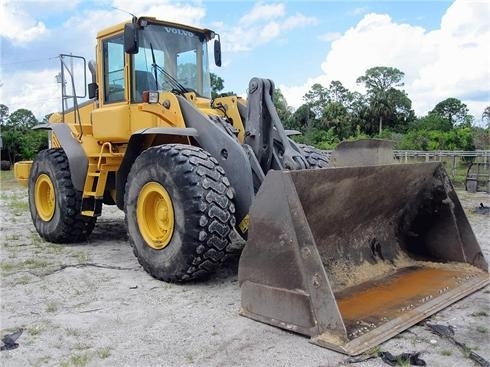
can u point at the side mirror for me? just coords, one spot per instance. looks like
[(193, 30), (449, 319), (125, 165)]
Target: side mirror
[(217, 51), (93, 90), (131, 45)]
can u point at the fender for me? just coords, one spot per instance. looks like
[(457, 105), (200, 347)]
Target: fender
[(141, 140), (73, 150), (227, 151)]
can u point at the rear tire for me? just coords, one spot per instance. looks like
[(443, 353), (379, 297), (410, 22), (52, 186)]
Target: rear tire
[(53, 201), (179, 212), (315, 157)]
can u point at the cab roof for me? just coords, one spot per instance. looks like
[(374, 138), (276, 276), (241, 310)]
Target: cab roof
[(118, 28)]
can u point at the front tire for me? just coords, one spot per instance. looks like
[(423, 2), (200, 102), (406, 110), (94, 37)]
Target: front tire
[(315, 157), (179, 212), (53, 201)]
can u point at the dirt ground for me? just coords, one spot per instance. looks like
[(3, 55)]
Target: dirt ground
[(91, 304)]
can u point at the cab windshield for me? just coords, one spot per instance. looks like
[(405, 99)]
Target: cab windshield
[(180, 55)]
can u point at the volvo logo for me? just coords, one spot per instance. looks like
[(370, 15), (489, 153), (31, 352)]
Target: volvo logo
[(179, 31)]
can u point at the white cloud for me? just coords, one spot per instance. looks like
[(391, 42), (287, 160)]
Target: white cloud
[(359, 11), (17, 24), (262, 24), (294, 94), (453, 61), (187, 13), (298, 20), (330, 36), (269, 31), (34, 90), (263, 12), (37, 90), (86, 25)]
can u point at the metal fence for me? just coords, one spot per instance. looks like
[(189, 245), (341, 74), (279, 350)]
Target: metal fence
[(437, 155), (451, 159)]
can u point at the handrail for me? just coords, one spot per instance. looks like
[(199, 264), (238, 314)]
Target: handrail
[(65, 96)]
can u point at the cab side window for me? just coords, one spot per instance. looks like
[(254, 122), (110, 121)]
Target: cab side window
[(144, 73), (113, 49)]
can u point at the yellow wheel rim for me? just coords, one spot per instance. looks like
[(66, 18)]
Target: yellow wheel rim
[(155, 215), (44, 197)]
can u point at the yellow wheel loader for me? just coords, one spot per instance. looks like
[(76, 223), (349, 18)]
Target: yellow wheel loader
[(349, 249)]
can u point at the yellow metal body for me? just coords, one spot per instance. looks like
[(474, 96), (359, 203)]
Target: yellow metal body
[(104, 129), (21, 172)]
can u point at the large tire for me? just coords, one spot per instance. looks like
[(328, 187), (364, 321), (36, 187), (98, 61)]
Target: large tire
[(315, 157), (179, 212), (5, 165), (53, 201)]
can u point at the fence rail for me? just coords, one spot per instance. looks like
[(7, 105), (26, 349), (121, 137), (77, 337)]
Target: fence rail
[(450, 157), (485, 154)]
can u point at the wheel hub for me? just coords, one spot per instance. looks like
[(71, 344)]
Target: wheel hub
[(155, 215), (44, 197)]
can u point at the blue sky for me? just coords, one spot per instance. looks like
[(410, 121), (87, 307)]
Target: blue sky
[(298, 54), (442, 46)]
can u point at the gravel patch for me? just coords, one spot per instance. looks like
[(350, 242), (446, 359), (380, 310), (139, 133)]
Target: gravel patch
[(92, 304)]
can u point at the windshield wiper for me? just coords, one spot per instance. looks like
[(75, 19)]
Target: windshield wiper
[(174, 82), (154, 68)]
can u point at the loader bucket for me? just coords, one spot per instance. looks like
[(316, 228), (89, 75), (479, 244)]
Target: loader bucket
[(353, 256)]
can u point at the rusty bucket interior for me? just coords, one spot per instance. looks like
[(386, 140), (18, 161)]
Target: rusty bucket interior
[(352, 256)]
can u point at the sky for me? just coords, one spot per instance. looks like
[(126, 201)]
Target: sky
[(443, 47)]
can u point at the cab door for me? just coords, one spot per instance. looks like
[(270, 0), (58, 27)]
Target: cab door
[(111, 122)]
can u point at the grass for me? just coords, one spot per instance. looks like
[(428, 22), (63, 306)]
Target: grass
[(50, 248), (16, 202), (373, 351), (82, 256), (51, 307), (7, 267), (42, 361), (446, 352), (8, 181), (23, 280), (403, 362), (36, 329), (104, 353), (77, 360), (482, 329), (189, 358), (35, 263), (479, 314), (36, 240), (466, 351), (18, 205), (12, 237), (72, 332), (81, 346)]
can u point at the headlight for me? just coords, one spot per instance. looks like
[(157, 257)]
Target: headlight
[(150, 97)]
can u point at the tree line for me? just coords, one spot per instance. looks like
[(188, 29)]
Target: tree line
[(333, 113), (19, 140), (329, 115)]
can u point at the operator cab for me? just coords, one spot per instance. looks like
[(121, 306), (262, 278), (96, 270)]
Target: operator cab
[(136, 62)]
